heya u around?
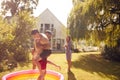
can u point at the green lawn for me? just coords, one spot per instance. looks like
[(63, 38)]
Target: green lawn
[(85, 66)]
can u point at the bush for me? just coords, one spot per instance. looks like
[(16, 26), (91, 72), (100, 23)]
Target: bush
[(112, 53), (76, 50), (1, 68), (19, 57)]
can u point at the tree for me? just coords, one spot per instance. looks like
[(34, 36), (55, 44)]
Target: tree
[(104, 16), (15, 6), (6, 38), (76, 23), (21, 22), (22, 40)]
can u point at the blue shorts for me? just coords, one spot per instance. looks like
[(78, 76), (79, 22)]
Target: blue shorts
[(45, 53)]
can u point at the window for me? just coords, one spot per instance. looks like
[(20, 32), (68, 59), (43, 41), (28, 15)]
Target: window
[(52, 28), (41, 28), (41, 25), (54, 32), (47, 27), (52, 25)]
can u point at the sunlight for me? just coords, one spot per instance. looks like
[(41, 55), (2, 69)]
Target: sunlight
[(59, 8)]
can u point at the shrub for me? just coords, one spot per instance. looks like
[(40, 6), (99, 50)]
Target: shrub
[(112, 53), (1, 68)]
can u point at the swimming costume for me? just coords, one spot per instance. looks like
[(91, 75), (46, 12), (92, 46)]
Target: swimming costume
[(43, 63)]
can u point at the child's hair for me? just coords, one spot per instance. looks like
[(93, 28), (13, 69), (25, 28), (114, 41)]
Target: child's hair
[(48, 31), (33, 32), (68, 37)]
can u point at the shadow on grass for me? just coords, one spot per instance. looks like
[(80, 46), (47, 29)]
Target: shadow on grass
[(94, 63), (71, 76)]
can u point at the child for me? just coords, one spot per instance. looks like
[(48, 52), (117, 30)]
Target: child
[(68, 51)]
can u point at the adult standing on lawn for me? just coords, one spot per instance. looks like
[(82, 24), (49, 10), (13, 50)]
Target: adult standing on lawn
[(68, 51)]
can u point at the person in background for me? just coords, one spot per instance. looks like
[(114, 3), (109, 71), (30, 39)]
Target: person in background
[(68, 51)]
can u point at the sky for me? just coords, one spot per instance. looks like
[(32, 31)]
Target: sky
[(60, 8)]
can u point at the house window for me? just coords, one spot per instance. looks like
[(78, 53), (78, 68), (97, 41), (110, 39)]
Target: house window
[(52, 28), (41, 28), (54, 45), (58, 44), (41, 25), (47, 27), (54, 32), (52, 25)]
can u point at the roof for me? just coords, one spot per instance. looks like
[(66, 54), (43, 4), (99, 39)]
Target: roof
[(48, 16)]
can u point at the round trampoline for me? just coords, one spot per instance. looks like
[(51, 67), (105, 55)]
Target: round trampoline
[(32, 75)]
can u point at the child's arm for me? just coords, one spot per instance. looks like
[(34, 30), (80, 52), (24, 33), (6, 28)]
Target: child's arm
[(33, 64), (65, 45), (32, 50), (53, 64)]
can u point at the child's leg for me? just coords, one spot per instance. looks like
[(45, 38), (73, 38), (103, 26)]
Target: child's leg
[(37, 59), (42, 75), (39, 66), (34, 64)]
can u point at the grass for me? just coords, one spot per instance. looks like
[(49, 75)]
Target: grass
[(85, 66)]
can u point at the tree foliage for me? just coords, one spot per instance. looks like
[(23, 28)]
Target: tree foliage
[(15, 39), (15, 6), (96, 13), (6, 38), (76, 23), (21, 42), (102, 19)]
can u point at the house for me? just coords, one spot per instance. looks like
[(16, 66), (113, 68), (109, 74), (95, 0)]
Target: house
[(47, 21)]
